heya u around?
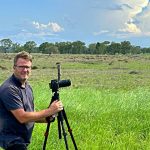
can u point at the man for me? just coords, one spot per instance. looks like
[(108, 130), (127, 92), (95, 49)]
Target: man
[(17, 115)]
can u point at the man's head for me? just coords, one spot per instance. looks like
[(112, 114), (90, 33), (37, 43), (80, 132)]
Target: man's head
[(22, 66)]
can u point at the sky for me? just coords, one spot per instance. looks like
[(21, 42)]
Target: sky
[(89, 21)]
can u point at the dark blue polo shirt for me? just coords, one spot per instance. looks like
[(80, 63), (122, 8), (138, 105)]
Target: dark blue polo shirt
[(14, 96)]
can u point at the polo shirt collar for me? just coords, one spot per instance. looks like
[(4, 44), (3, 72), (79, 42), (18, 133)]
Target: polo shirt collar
[(17, 81)]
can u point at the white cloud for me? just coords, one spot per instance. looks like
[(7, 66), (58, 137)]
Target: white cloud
[(50, 26), (101, 32), (126, 19), (131, 28), (135, 8), (55, 27)]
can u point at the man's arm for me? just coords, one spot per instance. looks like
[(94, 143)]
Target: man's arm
[(24, 117), (44, 120)]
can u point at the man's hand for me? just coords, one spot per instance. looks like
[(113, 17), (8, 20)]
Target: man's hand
[(56, 107)]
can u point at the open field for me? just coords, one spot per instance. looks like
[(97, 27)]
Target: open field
[(107, 105), (96, 71)]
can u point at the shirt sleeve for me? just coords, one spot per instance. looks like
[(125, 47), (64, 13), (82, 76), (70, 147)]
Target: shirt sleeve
[(12, 98)]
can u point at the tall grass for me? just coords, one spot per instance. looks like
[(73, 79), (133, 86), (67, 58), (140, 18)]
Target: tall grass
[(101, 120)]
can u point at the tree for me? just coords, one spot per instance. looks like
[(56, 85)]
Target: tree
[(6, 45), (125, 47), (17, 47), (78, 47), (64, 47), (100, 48), (51, 49), (145, 50), (106, 42), (135, 50), (48, 48), (30, 46), (114, 48), (43, 46), (91, 48)]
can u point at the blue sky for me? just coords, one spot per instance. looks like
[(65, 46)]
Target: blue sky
[(89, 21)]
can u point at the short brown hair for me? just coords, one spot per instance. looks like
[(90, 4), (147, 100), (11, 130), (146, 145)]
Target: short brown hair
[(24, 55)]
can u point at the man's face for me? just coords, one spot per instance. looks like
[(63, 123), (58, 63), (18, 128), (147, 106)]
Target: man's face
[(22, 69)]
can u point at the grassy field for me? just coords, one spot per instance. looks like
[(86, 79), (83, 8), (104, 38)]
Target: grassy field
[(107, 105)]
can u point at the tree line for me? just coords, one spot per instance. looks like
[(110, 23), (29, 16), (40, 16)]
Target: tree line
[(76, 47)]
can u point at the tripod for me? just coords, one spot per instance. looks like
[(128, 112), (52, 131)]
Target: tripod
[(55, 84)]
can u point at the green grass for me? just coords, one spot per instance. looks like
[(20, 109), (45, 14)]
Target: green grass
[(107, 105), (102, 120)]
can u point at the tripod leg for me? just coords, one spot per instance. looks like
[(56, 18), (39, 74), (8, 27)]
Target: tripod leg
[(59, 125), (69, 129), (60, 120), (46, 135)]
